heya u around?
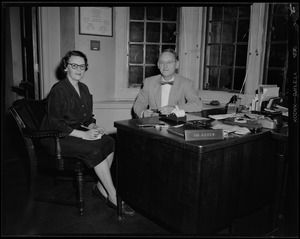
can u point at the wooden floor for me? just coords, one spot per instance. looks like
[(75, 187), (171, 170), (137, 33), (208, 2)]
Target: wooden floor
[(98, 220)]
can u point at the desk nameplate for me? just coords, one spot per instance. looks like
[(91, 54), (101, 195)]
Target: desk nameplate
[(197, 134), (203, 134)]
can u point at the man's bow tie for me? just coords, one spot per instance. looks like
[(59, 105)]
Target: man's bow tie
[(167, 82)]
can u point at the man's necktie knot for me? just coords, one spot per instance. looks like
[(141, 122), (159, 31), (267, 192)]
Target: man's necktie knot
[(167, 82)]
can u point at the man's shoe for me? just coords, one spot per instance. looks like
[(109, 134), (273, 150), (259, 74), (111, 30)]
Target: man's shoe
[(96, 193), (125, 208)]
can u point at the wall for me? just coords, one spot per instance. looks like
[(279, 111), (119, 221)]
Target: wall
[(100, 78), (13, 49)]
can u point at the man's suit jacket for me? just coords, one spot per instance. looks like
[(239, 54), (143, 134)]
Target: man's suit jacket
[(182, 94)]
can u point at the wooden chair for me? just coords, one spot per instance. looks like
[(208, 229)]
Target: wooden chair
[(28, 114)]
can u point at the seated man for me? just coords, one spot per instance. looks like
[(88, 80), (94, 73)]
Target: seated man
[(168, 91)]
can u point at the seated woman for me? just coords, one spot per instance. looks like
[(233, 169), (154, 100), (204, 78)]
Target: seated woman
[(70, 110)]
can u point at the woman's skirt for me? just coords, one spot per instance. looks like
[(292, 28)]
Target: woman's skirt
[(91, 152)]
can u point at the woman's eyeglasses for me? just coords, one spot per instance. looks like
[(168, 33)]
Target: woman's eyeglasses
[(75, 66)]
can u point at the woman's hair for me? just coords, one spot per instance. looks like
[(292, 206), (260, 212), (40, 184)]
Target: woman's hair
[(170, 50), (66, 58)]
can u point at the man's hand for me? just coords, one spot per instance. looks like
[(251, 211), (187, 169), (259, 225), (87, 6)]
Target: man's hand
[(166, 110), (147, 113)]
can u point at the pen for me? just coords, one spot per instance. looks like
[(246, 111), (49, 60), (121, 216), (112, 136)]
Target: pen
[(146, 126), (85, 127), (247, 116)]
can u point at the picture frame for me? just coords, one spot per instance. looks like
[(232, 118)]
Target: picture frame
[(97, 21)]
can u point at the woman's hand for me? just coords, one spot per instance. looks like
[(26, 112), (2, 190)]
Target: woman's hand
[(101, 130), (92, 133)]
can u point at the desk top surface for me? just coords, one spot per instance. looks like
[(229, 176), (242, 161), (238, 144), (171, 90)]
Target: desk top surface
[(199, 146)]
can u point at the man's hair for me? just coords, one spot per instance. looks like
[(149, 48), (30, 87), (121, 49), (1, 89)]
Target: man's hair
[(171, 50)]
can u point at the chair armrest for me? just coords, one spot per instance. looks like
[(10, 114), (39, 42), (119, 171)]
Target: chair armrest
[(42, 134), (29, 133)]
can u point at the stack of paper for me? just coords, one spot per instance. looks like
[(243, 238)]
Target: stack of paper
[(232, 129)]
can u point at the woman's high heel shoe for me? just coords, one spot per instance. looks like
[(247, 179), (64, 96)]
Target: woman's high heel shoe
[(125, 208)]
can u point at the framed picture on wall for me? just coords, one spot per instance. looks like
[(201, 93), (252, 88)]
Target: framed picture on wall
[(96, 21)]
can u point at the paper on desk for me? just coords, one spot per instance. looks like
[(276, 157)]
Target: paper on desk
[(190, 117), (222, 116), (232, 129)]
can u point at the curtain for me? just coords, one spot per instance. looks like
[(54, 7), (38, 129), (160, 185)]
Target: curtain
[(192, 43)]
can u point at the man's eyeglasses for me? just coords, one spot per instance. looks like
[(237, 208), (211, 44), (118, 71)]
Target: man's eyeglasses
[(166, 62), (75, 66)]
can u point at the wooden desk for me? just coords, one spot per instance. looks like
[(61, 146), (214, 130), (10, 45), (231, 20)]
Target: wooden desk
[(196, 187)]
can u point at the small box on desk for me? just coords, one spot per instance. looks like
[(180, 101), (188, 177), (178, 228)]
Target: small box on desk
[(192, 134)]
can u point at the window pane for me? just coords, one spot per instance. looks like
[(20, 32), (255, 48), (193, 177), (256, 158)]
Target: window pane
[(281, 9), (152, 52), (136, 32), (228, 31), (227, 55), (230, 12), (151, 71), (215, 32), (239, 78), (275, 77), (216, 13), (169, 13), (136, 54), (136, 13), (152, 32), (135, 75), (167, 47), (241, 55), (277, 55), (169, 32), (214, 55), (243, 31), (213, 77), (244, 11), (225, 78), (279, 29), (153, 13)]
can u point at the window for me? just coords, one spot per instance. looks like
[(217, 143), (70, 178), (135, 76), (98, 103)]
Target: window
[(226, 48), (151, 30), (276, 60)]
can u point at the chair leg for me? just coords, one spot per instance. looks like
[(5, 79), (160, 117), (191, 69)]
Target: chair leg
[(32, 174), (79, 180)]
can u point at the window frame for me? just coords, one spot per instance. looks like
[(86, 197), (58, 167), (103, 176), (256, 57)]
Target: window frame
[(146, 43), (255, 62), (235, 44), (122, 92), (269, 43)]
